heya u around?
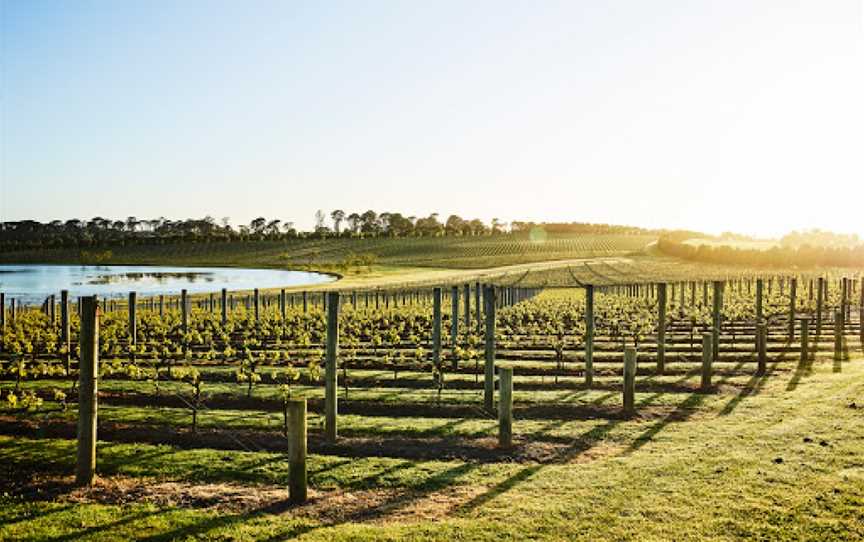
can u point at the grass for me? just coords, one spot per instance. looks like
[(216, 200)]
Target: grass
[(779, 462), (436, 252)]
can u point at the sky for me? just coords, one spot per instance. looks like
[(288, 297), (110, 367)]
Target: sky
[(740, 115)]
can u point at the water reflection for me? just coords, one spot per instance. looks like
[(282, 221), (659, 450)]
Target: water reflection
[(32, 283), (158, 277)]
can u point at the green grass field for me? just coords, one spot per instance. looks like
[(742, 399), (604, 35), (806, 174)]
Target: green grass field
[(776, 459)]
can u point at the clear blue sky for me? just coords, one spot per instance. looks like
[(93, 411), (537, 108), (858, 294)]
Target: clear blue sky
[(736, 114)]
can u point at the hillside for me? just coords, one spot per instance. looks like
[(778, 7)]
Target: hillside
[(472, 252)]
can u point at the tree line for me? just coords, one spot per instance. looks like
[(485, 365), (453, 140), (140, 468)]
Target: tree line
[(779, 256), (105, 232)]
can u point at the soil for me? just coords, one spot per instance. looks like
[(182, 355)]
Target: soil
[(525, 449)]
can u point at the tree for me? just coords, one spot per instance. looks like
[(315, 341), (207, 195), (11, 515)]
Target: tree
[(273, 228), (477, 227), (320, 227), (369, 222), (338, 216), (398, 225), (354, 223), (429, 226), (258, 225), (454, 225)]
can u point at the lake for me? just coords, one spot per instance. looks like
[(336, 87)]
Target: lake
[(31, 284)]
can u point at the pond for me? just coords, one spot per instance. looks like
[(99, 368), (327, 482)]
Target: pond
[(31, 284)]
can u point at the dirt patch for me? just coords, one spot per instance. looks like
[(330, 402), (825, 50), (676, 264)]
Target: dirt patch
[(120, 490), (387, 505), (525, 449), (223, 496), (328, 507), (523, 411)]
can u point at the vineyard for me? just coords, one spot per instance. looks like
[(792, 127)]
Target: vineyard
[(197, 392), (435, 252)]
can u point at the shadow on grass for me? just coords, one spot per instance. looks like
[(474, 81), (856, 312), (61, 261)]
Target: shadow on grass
[(102, 528), (203, 529), (752, 387), (682, 412), (502, 487), (30, 516), (802, 370), (577, 447)]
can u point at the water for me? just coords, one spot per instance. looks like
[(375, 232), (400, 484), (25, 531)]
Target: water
[(31, 284)]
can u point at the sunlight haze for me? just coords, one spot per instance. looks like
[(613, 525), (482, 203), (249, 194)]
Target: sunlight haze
[(715, 116)]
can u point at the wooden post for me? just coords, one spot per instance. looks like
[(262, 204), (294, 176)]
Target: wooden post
[(2, 318), (224, 304), (629, 380), (760, 285), (861, 313), (793, 293), (589, 335), (761, 340), (861, 325), (296, 410), (330, 369), (478, 307), (184, 314), (505, 407), (489, 381), (454, 322), (133, 319), (661, 328), (844, 290), (820, 299), (805, 337), (718, 306), (283, 304), (257, 303), (707, 359), (838, 335), (466, 294), (88, 372), (305, 302), (65, 339), (436, 328)]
